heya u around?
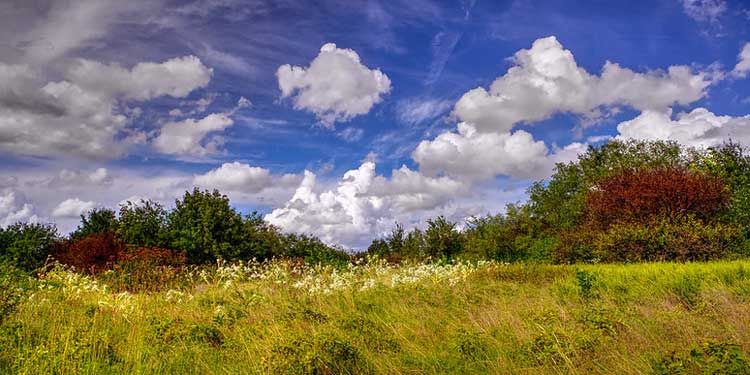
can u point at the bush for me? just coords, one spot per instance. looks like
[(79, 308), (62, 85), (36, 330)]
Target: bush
[(644, 194), (313, 251), (92, 254), (27, 246)]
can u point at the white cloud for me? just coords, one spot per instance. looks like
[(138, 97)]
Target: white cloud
[(235, 177), (546, 80), (698, 128), (742, 69), (472, 155), (704, 10), (415, 111), (72, 208), (335, 87), (175, 77), (13, 209), (188, 137), (85, 114), (363, 204)]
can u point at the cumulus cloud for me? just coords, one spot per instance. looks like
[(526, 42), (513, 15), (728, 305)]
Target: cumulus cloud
[(13, 209), (175, 77), (472, 155), (192, 137), (235, 176), (85, 115), (362, 203), (546, 80), (742, 69), (698, 128), (72, 208), (335, 87)]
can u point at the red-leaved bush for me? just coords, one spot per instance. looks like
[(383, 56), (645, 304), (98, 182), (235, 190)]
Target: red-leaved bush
[(93, 254), (642, 195)]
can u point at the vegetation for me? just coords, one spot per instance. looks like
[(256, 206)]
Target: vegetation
[(201, 288), (283, 317)]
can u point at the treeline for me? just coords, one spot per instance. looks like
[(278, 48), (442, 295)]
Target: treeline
[(202, 228), (619, 202)]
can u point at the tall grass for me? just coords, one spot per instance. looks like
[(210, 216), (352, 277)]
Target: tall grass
[(288, 318)]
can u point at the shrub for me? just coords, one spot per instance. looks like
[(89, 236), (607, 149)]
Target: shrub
[(638, 195), (93, 254), (27, 246), (665, 240), (312, 250)]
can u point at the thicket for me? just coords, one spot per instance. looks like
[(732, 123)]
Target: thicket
[(144, 240), (619, 202)]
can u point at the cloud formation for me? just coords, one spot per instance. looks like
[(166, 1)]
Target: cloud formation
[(86, 115), (13, 209), (362, 203), (72, 208), (335, 87)]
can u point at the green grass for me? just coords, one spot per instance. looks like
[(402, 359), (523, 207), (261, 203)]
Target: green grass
[(490, 318)]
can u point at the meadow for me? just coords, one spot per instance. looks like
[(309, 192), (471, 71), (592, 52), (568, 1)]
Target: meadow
[(371, 317)]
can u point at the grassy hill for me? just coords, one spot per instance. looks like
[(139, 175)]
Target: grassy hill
[(375, 318)]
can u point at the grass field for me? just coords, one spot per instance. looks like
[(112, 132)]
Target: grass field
[(379, 319)]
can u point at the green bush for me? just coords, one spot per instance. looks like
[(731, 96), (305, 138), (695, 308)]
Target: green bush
[(27, 246)]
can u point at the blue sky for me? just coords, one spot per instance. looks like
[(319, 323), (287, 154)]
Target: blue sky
[(340, 118)]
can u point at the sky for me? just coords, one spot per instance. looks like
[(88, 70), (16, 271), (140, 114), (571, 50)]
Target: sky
[(341, 118)]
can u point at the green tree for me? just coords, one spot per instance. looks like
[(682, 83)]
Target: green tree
[(206, 227), (97, 220), (442, 239), (27, 246), (143, 224)]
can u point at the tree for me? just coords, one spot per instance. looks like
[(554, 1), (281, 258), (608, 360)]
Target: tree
[(143, 224), (97, 220), (206, 227), (442, 239), (27, 245)]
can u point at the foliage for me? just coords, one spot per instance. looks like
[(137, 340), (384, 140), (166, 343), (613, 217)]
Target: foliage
[(206, 227), (143, 224), (641, 195), (442, 240), (711, 357), (312, 250), (27, 245), (97, 220), (93, 254)]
